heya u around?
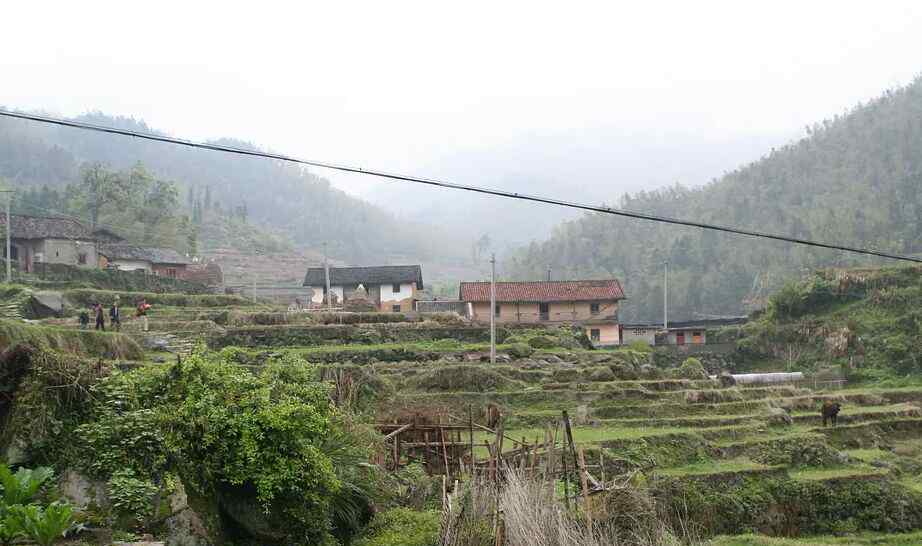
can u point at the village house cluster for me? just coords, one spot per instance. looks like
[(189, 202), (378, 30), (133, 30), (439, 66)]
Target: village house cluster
[(38, 241), (589, 304)]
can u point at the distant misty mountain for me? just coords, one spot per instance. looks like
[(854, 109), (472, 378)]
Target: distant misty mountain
[(591, 166)]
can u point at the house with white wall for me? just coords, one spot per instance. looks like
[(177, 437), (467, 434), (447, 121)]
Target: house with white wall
[(391, 288)]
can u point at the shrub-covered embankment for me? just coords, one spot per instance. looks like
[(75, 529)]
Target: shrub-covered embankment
[(86, 297), (327, 334), (86, 343), (865, 321)]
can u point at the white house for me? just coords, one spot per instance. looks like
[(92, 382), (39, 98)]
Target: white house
[(391, 288)]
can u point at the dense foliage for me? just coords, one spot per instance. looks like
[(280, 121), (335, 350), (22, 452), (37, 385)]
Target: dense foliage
[(855, 179), (257, 444), (22, 512)]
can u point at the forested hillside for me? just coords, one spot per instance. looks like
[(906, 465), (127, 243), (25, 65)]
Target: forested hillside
[(855, 179), (280, 196)]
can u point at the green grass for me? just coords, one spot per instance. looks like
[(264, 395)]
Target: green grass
[(863, 539), (868, 455), (713, 467), (856, 471)]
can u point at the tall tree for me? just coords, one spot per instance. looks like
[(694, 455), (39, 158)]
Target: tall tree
[(101, 188)]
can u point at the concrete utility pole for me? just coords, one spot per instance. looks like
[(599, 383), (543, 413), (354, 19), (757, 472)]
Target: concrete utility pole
[(9, 230), (326, 277), (492, 308), (665, 295)]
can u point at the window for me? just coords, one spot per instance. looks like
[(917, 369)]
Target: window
[(594, 308), (171, 272), (595, 335), (496, 310), (395, 288), (81, 258), (395, 308)]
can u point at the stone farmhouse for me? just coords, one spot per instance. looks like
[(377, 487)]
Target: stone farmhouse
[(38, 239), (390, 288), (592, 305), (165, 262)]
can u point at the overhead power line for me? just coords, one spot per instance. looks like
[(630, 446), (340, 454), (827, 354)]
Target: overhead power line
[(456, 186)]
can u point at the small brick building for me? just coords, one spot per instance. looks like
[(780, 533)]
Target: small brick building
[(592, 305)]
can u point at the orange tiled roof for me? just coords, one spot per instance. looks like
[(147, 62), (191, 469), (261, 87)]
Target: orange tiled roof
[(544, 291)]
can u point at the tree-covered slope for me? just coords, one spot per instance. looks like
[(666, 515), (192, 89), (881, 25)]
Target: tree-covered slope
[(855, 179), (279, 195)]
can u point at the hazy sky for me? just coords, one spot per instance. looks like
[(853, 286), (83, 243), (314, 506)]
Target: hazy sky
[(397, 85)]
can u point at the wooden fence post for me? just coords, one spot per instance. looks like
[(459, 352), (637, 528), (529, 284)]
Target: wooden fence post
[(585, 483)]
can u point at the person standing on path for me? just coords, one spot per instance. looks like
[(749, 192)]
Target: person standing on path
[(115, 316), (143, 306), (100, 317)]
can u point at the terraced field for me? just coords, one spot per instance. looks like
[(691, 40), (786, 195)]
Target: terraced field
[(720, 461)]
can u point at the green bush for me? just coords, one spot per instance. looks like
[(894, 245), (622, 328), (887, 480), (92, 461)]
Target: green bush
[(402, 527), (45, 525), (520, 350), (131, 497), (692, 369), (542, 342), (265, 447)]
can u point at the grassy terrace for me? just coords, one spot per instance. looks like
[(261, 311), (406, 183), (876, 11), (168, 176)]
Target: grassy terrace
[(862, 539), (693, 436)]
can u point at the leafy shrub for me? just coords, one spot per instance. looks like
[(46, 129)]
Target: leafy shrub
[(265, 447), (11, 527), (131, 497), (45, 525), (520, 350), (542, 342), (692, 369), (21, 487), (402, 527)]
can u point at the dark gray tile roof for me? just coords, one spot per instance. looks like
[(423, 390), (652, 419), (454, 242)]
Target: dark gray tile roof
[(153, 255), (382, 274), (42, 227)]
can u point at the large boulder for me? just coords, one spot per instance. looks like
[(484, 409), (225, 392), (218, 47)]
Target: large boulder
[(81, 491), (188, 526)]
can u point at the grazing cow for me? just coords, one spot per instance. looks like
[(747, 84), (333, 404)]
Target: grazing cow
[(493, 416), (830, 412), (726, 380)]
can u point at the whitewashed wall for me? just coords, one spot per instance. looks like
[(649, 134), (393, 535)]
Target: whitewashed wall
[(318, 293), (388, 294)]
